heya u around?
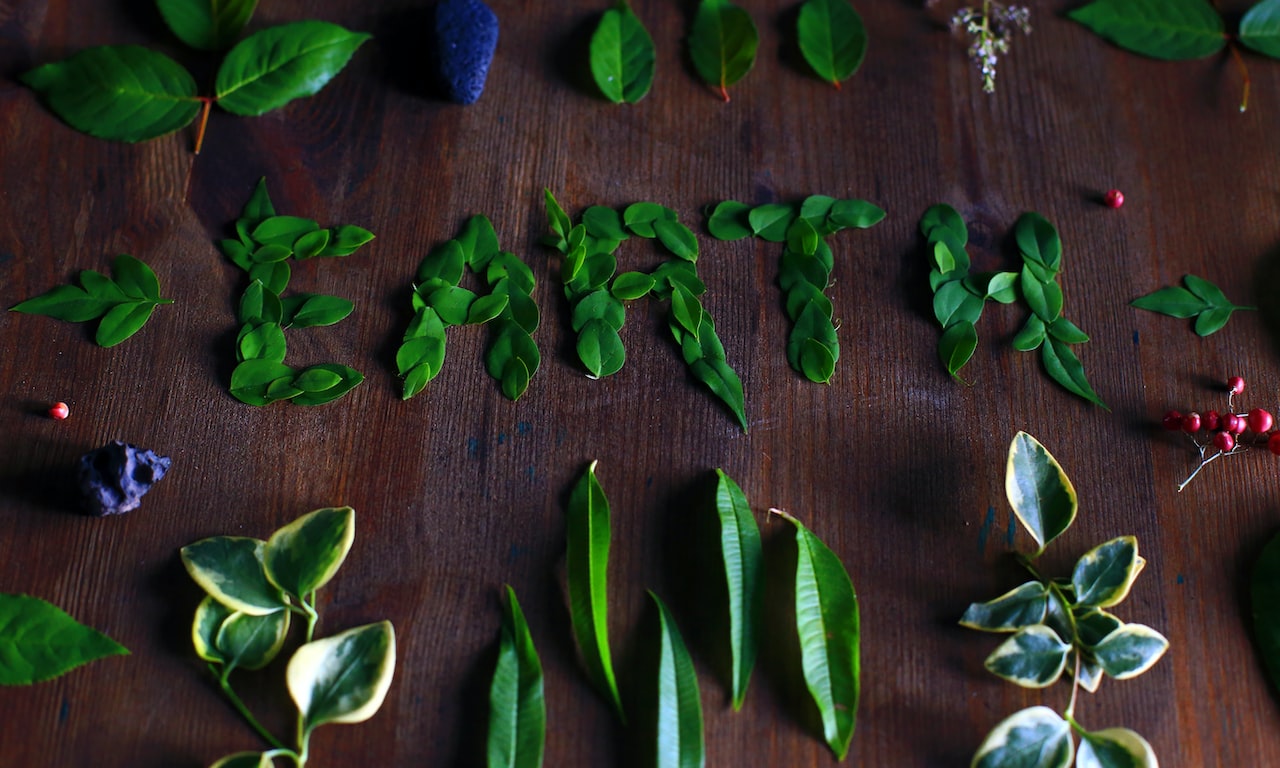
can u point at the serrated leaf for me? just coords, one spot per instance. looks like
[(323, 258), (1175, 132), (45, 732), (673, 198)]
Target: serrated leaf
[(121, 93), (209, 25), (1039, 491), (1172, 30), (743, 556), (1115, 748), (517, 705), (39, 641), (230, 569), (1021, 606), (722, 44), (1130, 650), (622, 56), (1034, 657), (302, 556), (343, 678), (679, 718), (1103, 576), (1036, 737), (832, 38), (278, 64), (1260, 28)]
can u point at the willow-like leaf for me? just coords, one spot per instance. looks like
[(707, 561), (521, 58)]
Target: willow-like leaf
[(680, 739), (517, 707), (743, 557)]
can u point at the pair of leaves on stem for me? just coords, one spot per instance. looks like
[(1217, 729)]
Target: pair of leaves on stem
[(597, 292), (40, 641), (1062, 625), (130, 93), (826, 621), (439, 301), (265, 245), (723, 42), (804, 270), (1200, 299), (124, 301), (253, 587)]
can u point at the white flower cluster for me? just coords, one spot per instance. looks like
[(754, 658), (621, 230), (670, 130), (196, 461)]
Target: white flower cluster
[(991, 28)]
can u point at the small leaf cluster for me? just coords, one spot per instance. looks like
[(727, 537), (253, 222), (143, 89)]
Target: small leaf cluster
[(1200, 299), (958, 296), (40, 641), (264, 246), (253, 588), (131, 93), (597, 292), (804, 270), (439, 302), (723, 42), (124, 301), (826, 607), (1062, 625)]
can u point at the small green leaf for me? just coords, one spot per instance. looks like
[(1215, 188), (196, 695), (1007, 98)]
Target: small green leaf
[(1174, 301), (342, 678), (686, 311), (677, 238), (622, 56), (348, 378), (230, 569), (640, 217), (629, 286), (855, 214), (123, 321), (587, 561), (251, 380), (209, 25), (1038, 240), (1033, 658), (1115, 748), (121, 93), (771, 221), (957, 345), (278, 64), (274, 277), (722, 44), (1130, 650), (1173, 30), (246, 641), (65, 302), (729, 221), (1103, 575), (743, 556), (479, 242), (204, 629), (680, 739), (1031, 336), (258, 305), (1036, 737), (600, 349), (517, 706), (486, 308), (723, 382), (282, 230), (39, 641), (955, 303), (1260, 28), (558, 220), (346, 240), (941, 223), (1064, 367), (302, 556), (1067, 332), (832, 38), (135, 278), (604, 223), (1038, 489), (1211, 321), (1019, 607), (817, 361), (309, 310)]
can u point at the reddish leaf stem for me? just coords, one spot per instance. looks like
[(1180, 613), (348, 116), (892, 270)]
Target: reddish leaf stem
[(1244, 74), (204, 121)]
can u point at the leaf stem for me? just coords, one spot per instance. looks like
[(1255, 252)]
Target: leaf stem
[(204, 122), (224, 682), (1244, 74), (1075, 689)]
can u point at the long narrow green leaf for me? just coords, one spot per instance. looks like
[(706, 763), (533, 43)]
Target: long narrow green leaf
[(722, 44), (517, 707), (278, 64), (622, 56), (743, 556), (1173, 30), (680, 739), (587, 556)]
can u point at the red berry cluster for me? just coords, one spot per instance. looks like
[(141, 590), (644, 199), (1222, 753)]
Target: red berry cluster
[(1225, 429)]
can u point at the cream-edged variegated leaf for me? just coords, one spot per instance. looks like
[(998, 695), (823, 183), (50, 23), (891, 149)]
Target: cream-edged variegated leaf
[(1130, 650), (230, 569), (1115, 748), (245, 760), (302, 556), (1037, 737), (1034, 657), (204, 629), (1104, 575), (343, 678), (1039, 491)]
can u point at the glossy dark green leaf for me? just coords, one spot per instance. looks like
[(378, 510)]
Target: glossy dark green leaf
[(1031, 336), (513, 358), (743, 556), (517, 705), (122, 93), (1115, 748), (1034, 657), (680, 741), (308, 310), (1260, 28), (1162, 29), (1064, 367), (855, 214), (230, 569), (282, 230), (832, 38), (122, 321), (251, 380), (1130, 650), (1174, 301), (345, 240), (1211, 321), (246, 641), (1038, 240), (343, 678), (600, 349), (1036, 737), (622, 56), (1264, 599), (677, 238), (40, 641), (1067, 332), (587, 563), (135, 278), (304, 555), (722, 44), (65, 302), (278, 64), (598, 305), (730, 221), (258, 305), (1042, 497), (1044, 299), (828, 627), (771, 221), (941, 222), (1103, 575), (955, 303), (956, 346), (631, 285), (209, 25), (274, 276), (347, 378), (686, 310), (817, 361), (1019, 607)]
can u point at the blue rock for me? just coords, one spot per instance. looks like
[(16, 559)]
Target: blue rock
[(466, 37), (114, 477)]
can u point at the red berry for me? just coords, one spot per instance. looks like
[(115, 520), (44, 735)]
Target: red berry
[(59, 411), (1260, 420), (1235, 385), (1191, 422), (1172, 421), (1233, 423), (1114, 199), (1273, 443), (1210, 421), (1224, 441)]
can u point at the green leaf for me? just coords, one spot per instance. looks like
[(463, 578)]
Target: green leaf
[(39, 641), (629, 286), (600, 349), (622, 56), (680, 740), (587, 562), (123, 321), (204, 629), (517, 706), (282, 230), (855, 214), (817, 361), (1093, 625), (1173, 30), (342, 678), (345, 240), (1003, 287), (677, 238), (1067, 332), (1038, 240), (65, 302), (308, 310), (1260, 28), (259, 206), (1038, 490), (957, 345), (513, 358), (942, 223), (1130, 650), (278, 64), (302, 556), (743, 556), (640, 217), (479, 242), (348, 378), (246, 641), (486, 308), (955, 303), (274, 276), (209, 25), (258, 305), (1174, 301), (251, 380), (729, 221), (311, 244), (827, 624), (1115, 748), (1064, 367), (1031, 336), (722, 44), (230, 569), (832, 38), (598, 305), (135, 278), (121, 93), (1212, 320), (1033, 658), (604, 223), (245, 760), (771, 221), (1036, 737), (1020, 607), (558, 220), (1264, 599), (1103, 575), (723, 382), (686, 311)]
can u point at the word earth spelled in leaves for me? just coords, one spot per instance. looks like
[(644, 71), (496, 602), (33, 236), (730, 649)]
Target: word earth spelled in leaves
[(124, 301), (1062, 626), (254, 587), (39, 641), (130, 93)]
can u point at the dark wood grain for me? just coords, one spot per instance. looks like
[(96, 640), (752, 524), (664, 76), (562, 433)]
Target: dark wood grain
[(458, 491)]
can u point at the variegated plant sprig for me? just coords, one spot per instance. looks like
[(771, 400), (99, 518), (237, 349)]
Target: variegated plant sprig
[(253, 589), (1062, 626)]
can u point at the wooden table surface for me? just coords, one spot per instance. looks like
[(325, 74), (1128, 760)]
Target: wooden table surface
[(898, 468)]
